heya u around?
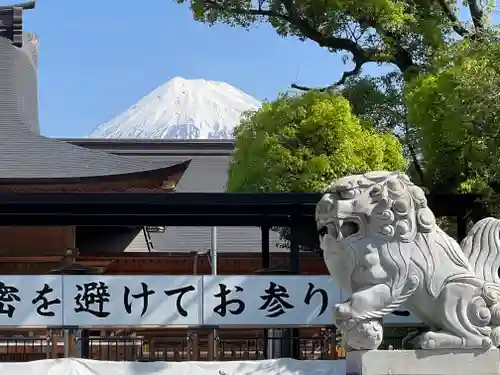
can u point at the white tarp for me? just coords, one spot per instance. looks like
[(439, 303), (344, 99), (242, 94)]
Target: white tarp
[(74, 366)]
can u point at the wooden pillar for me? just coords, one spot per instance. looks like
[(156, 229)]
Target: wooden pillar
[(85, 343), (152, 348), (211, 346), (216, 344), (72, 344), (195, 346), (53, 343), (66, 339)]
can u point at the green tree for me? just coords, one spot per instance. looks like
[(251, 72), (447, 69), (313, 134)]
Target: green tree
[(455, 114), (379, 100), (440, 102), (406, 33), (302, 143)]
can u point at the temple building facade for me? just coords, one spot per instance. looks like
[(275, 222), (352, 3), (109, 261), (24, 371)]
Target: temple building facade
[(207, 173), (30, 162)]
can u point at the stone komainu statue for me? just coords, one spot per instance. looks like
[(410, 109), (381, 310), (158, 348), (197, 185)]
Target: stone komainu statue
[(381, 243)]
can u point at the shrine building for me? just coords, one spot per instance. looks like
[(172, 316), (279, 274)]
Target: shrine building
[(135, 236), (32, 164)]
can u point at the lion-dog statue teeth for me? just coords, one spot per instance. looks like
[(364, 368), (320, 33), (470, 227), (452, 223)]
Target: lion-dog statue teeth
[(381, 243)]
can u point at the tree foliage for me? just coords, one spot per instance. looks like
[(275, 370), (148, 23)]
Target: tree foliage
[(406, 33), (409, 34), (440, 102), (302, 143), (455, 114), (380, 101)]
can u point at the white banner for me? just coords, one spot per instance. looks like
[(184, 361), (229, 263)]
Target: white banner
[(100, 300), (31, 300), (269, 300), (75, 366), (132, 300)]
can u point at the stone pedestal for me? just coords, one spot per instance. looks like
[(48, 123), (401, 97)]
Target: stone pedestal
[(424, 362)]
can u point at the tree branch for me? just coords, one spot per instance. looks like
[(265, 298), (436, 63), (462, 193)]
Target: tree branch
[(350, 73), (360, 56), (300, 23), (477, 14), (401, 58), (413, 155), (452, 17), (211, 4)]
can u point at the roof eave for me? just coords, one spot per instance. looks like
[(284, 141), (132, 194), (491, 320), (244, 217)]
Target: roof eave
[(163, 178)]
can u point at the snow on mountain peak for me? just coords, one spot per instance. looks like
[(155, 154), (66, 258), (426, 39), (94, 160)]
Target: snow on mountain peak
[(182, 109)]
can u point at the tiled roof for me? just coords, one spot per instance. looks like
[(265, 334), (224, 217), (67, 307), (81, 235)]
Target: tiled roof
[(24, 153), (30, 156)]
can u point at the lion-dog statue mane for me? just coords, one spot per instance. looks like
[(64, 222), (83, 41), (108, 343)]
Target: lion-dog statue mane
[(381, 243)]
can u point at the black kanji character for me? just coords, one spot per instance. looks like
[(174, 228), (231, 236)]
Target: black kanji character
[(223, 307), (43, 308), (144, 295), (92, 294), (180, 292), (324, 297), (8, 294), (275, 302)]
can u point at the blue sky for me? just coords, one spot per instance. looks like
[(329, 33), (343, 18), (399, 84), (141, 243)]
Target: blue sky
[(98, 57)]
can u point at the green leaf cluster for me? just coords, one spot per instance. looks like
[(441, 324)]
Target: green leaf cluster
[(302, 143), (455, 114)]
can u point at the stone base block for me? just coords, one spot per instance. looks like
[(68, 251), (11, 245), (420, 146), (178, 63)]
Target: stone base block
[(424, 362)]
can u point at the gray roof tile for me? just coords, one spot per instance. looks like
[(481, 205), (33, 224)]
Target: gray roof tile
[(31, 156), (25, 154)]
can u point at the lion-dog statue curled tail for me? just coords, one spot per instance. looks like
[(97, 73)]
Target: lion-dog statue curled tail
[(381, 243)]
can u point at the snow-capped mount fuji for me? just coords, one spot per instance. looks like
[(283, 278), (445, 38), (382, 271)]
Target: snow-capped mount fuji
[(182, 109)]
